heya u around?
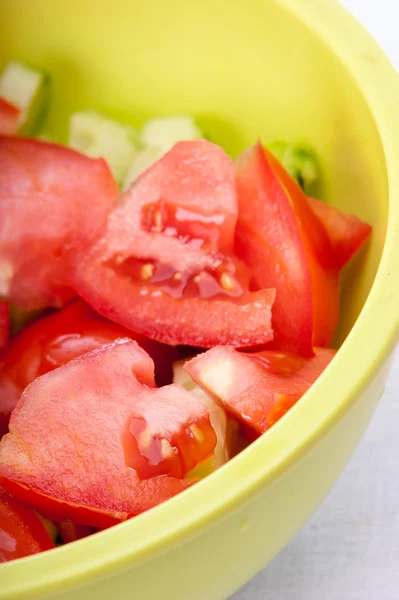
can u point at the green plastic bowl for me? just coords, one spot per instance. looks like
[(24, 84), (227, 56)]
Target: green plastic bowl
[(299, 70)]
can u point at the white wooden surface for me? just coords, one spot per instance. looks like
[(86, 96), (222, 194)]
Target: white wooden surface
[(350, 548)]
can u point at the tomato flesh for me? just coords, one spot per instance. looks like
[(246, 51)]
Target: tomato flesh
[(347, 233), (9, 118), (52, 201), (166, 265), (283, 403), (257, 388), (21, 531), (4, 323), (54, 340), (279, 363), (168, 433), (70, 465)]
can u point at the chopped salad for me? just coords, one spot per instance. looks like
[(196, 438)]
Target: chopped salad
[(161, 306)]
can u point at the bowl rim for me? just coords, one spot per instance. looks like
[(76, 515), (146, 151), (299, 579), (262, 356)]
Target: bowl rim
[(195, 510)]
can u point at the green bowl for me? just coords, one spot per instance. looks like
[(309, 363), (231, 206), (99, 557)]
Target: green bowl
[(299, 70)]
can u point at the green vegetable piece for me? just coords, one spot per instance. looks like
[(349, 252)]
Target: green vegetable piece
[(300, 162), (97, 135), (28, 89), (140, 163), (224, 428), (165, 132), (158, 136)]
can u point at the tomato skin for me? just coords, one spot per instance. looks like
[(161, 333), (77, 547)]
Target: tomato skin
[(21, 531), (324, 275), (347, 233), (269, 240), (258, 387), (124, 275), (287, 247), (73, 407), (312, 231), (4, 323), (325, 296), (54, 201), (331, 238), (168, 433), (54, 340), (9, 117)]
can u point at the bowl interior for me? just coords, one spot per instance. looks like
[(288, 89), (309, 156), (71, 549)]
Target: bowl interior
[(243, 73), (245, 70)]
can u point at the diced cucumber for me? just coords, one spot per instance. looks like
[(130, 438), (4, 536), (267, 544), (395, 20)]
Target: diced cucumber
[(219, 422), (97, 135), (165, 132), (157, 137), (300, 162), (28, 89), (140, 163)]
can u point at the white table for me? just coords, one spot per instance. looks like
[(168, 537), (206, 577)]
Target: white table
[(350, 548)]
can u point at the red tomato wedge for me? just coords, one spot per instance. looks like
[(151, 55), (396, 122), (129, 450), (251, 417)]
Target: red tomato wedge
[(71, 532), (70, 465), (54, 340), (4, 324), (168, 433), (347, 233), (165, 266), (52, 200), (21, 531), (280, 238), (9, 118), (257, 388)]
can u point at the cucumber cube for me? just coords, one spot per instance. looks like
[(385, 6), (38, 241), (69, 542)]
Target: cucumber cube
[(165, 132), (300, 162), (140, 163), (158, 136), (97, 135), (28, 89), (222, 426)]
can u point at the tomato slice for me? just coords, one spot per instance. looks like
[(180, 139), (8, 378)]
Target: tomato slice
[(71, 532), (325, 297), (70, 465), (4, 323), (165, 266), (347, 233), (168, 433), (324, 275), (54, 340), (312, 231), (52, 200), (286, 247), (9, 118), (21, 531), (257, 388)]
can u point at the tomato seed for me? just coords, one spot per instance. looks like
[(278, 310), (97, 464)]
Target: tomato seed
[(147, 271), (227, 282)]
